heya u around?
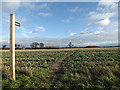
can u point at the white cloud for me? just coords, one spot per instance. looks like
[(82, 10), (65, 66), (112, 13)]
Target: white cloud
[(71, 33), (44, 14), (28, 4), (92, 13), (98, 32), (44, 5), (1, 41), (33, 6), (99, 37), (100, 9), (85, 31), (76, 9), (103, 16), (97, 16), (81, 41), (20, 19), (68, 20), (100, 28), (25, 35), (114, 6), (10, 6), (104, 10), (24, 32), (38, 29), (89, 24), (111, 3), (103, 22), (116, 30), (103, 38), (111, 27)]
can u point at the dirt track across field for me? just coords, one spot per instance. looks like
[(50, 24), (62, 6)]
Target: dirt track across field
[(28, 50), (56, 66)]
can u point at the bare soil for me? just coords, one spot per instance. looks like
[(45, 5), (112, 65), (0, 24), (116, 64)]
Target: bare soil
[(55, 67), (29, 50)]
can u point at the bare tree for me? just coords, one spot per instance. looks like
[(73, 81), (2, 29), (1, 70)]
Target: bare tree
[(34, 45), (41, 45), (23, 47), (17, 45), (70, 44), (4, 46)]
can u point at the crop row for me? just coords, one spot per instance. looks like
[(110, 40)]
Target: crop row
[(34, 59)]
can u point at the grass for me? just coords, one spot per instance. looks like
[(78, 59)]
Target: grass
[(26, 79), (83, 69)]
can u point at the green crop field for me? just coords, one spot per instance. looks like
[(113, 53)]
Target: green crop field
[(81, 69)]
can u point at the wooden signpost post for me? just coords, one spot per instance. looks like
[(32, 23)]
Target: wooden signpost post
[(12, 45)]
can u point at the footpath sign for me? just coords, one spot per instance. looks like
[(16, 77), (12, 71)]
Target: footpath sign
[(17, 24)]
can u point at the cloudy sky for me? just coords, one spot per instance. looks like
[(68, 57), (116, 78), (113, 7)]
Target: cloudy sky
[(58, 23)]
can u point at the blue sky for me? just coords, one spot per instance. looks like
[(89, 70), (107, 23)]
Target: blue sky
[(83, 23)]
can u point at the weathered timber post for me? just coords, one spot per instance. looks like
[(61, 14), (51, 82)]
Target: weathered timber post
[(12, 46)]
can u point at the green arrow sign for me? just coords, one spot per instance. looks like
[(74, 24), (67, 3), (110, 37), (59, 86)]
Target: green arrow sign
[(17, 24)]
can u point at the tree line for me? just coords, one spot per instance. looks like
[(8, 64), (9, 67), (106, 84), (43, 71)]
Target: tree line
[(34, 45)]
